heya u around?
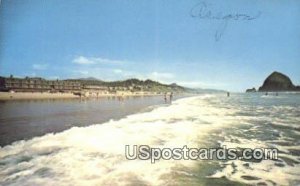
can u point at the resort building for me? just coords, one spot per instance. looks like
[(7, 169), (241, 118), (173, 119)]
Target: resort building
[(37, 85)]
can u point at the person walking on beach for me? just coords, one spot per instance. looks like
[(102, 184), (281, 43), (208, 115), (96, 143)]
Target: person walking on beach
[(228, 94), (165, 97), (171, 97)]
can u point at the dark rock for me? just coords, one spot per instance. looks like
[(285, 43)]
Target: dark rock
[(251, 90), (278, 82)]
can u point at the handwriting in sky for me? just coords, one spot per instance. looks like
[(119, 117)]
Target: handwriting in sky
[(204, 11)]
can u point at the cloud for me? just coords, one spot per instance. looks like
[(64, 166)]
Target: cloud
[(88, 68), (161, 76), (117, 71), (40, 66), (81, 60)]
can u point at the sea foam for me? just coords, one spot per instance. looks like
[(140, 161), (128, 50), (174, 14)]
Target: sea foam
[(95, 155)]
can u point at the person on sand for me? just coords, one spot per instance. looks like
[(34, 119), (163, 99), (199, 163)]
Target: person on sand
[(171, 97), (165, 97), (228, 94)]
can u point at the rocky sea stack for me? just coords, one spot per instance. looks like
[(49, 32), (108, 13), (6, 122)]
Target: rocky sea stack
[(251, 90), (278, 82)]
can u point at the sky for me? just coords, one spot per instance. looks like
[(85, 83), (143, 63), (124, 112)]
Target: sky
[(230, 45)]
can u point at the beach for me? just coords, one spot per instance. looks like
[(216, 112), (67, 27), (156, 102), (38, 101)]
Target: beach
[(35, 95), (45, 95), (91, 152), (27, 118)]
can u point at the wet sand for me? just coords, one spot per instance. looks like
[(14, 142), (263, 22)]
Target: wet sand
[(24, 119), (5, 96), (36, 95)]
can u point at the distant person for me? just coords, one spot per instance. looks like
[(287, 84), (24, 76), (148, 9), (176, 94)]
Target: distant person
[(165, 97), (228, 94), (266, 93), (171, 97), (120, 98)]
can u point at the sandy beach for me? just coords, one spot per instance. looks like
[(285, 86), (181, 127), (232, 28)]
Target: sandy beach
[(35, 117), (5, 96), (36, 95)]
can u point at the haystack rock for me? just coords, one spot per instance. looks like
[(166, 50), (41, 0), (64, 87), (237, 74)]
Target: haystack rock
[(278, 82)]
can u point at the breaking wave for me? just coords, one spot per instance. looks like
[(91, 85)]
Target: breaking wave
[(95, 155)]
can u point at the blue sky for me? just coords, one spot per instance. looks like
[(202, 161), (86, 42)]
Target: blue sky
[(168, 41)]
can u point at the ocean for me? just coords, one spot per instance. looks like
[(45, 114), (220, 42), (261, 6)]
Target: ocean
[(95, 154)]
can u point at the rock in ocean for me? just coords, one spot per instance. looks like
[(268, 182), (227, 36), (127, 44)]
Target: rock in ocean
[(251, 90), (278, 82)]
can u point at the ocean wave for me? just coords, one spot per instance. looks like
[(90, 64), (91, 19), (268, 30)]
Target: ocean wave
[(95, 155)]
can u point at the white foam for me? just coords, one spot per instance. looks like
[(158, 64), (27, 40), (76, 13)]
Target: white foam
[(95, 155), (264, 171)]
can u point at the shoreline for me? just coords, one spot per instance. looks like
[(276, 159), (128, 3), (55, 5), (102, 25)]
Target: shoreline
[(38, 118), (8, 96)]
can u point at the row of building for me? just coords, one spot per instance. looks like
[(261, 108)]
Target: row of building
[(28, 84), (36, 84)]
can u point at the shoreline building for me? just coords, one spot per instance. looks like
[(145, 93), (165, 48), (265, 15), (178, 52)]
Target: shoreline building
[(37, 84)]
